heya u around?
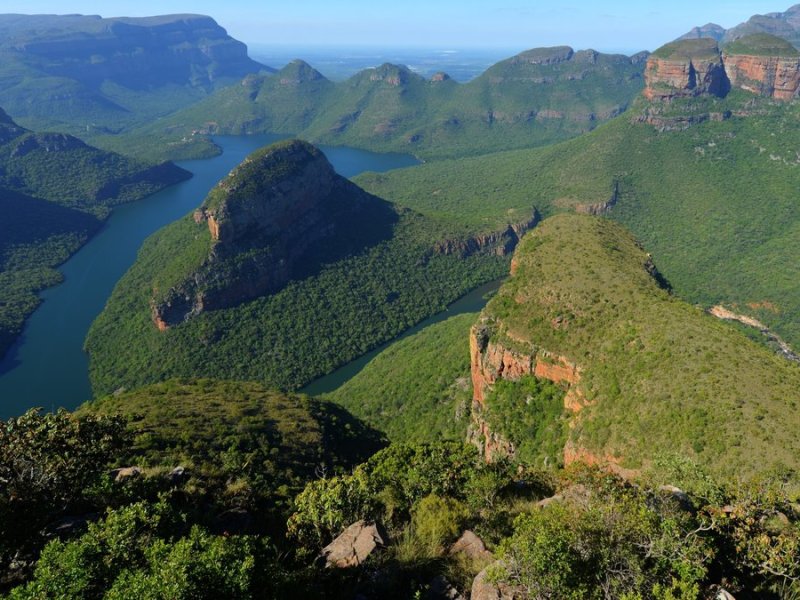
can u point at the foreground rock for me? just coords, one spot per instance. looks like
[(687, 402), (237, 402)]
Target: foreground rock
[(355, 545), (471, 546), (483, 589)]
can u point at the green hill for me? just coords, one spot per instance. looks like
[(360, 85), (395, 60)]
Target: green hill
[(714, 201), (532, 99), (286, 272), (645, 373), (418, 389), (275, 442), (55, 192)]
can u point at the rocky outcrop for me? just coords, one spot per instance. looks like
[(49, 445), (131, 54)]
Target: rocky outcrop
[(599, 209), (263, 220), (471, 546), (544, 56), (684, 69), (709, 30), (355, 545), (492, 360), (761, 64), (483, 588), (771, 76), (500, 243)]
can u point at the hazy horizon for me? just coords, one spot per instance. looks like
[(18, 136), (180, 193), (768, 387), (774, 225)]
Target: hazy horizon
[(610, 26)]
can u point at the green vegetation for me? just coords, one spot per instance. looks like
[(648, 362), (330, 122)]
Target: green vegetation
[(536, 98), (244, 445), (696, 49), (528, 412), (54, 192), (761, 44), (715, 203), (197, 532), (288, 338), (655, 373), (376, 275), (418, 389)]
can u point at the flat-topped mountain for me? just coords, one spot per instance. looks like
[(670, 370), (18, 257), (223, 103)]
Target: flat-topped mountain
[(262, 222), (534, 98), (90, 71), (759, 63), (583, 352)]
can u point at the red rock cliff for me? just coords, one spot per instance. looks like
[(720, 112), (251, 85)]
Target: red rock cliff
[(491, 361), (684, 69), (772, 76)]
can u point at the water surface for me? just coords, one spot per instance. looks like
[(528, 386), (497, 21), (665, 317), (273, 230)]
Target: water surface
[(47, 366)]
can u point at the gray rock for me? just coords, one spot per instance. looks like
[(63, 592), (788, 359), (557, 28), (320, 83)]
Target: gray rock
[(681, 497), (176, 475), (355, 544), (69, 526), (724, 595)]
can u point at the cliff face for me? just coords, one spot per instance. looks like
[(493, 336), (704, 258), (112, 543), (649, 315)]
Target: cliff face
[(500, 243), (772, 76), (760, 64), (586, 310), (263, 220), (491, 360), (137, 53), (684, 69)]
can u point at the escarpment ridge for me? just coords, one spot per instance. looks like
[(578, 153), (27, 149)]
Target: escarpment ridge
[(585, 311)]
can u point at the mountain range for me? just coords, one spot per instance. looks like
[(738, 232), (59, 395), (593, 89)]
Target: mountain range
[(79, 74)]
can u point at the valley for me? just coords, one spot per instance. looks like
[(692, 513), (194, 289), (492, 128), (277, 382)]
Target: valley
[(526, 330)]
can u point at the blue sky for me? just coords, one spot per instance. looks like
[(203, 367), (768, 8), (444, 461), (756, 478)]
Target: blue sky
[(600, 24)]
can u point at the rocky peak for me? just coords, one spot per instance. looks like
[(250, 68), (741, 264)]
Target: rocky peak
[(394, 75), (439, 77), (686, 68), (263, 221), (269, 191), (297, 72), (709, 30)]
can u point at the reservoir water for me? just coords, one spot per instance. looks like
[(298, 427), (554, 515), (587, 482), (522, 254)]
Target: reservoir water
[(47, 366)]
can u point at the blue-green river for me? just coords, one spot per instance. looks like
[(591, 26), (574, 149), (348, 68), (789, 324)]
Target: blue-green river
[(47, 366)]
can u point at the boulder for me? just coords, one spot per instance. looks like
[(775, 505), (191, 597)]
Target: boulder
[(176, 475), (471, 546), (483, 589), (125, 473), (724, 595), (677, 494), (355, 544)]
